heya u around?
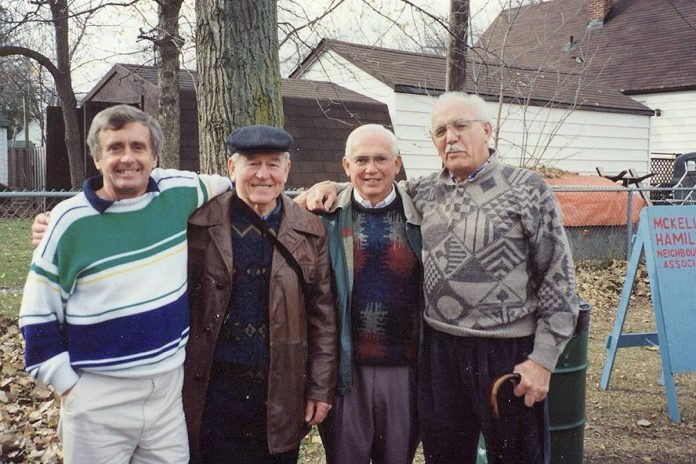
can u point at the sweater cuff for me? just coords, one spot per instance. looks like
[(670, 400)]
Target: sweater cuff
[(545, 355), (321, 395), (340, 186), (63, 378)]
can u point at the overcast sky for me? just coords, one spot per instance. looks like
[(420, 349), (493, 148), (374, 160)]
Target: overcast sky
[(115, 40)]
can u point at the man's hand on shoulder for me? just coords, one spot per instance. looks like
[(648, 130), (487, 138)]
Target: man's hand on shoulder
[(39, 227), (319, 197)]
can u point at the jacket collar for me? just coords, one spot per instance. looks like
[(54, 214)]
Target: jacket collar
[(343, 201), (213, 213), (217, 212)]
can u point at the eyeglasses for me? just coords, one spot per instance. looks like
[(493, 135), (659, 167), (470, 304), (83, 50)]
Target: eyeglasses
[(377, 160), (459, 125)]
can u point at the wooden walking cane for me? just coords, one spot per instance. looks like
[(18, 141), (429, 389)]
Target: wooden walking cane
[(513, 378)]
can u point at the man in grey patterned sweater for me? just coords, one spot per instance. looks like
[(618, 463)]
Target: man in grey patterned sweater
[(499, 292)]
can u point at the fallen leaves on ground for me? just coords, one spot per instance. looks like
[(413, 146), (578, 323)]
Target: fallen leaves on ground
[(28, 411), (549, 172), (626, 424)]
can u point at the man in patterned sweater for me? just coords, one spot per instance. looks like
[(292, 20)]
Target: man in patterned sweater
[(499, 292), (375, 246), (104, 313)]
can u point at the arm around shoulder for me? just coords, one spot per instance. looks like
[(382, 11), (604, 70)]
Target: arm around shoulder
[(321, 196), (213, 185), (39, 227)]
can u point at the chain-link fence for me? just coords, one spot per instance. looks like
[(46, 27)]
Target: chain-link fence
[(600, 222), (27, 204)]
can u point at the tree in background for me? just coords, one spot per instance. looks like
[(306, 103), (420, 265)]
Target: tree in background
[(23, 82), (60, 71), (238, 72), (457, 49), (17, 85), (52, 33), (168, 43)]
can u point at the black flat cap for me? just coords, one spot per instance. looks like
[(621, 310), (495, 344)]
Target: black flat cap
[(259, 138)]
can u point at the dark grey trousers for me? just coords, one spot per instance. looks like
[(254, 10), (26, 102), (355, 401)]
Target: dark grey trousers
[(454, 385), (376, 421)]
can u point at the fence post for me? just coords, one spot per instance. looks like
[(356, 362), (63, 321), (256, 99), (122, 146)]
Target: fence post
[(629, 223)]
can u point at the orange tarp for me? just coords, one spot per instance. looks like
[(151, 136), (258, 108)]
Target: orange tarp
[(594, 207)]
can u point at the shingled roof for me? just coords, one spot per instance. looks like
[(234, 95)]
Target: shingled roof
[(421, 73), (395, 68), (289, 87), (319, 115), (643, 46)]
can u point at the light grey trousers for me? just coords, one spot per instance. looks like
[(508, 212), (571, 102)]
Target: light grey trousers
[(125, 420), (376, 421)]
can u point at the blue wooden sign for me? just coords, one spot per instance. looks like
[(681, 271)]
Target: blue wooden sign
[(667, 235)]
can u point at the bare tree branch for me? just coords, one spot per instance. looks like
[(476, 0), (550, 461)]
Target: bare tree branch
[(20, 22), (80, 35), (70, 14), (295, 30), (442, 22), (44, 61)]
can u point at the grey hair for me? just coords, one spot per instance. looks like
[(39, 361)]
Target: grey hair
[(389, 135), (236, 155), (114, 118), (478, 103)]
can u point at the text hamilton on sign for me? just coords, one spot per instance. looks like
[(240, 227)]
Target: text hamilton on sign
[(679, 232)]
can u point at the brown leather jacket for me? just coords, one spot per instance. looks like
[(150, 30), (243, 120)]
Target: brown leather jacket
[(302, 331)]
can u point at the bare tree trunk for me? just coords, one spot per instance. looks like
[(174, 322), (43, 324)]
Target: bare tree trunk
[(238, 72), (168, 42), (59, 14), (456, 51)]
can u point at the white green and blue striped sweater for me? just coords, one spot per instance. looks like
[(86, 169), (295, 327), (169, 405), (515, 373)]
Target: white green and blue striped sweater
[(106, 291)]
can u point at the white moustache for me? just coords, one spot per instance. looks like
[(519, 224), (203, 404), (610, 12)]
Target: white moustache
[(452, 148)]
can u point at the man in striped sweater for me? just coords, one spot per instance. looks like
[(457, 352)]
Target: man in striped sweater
[(104, 313)]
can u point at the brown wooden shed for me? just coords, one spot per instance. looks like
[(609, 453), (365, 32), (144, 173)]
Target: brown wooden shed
[(319, 115)]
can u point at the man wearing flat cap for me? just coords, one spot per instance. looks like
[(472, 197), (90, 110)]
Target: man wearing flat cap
[(261, 360)]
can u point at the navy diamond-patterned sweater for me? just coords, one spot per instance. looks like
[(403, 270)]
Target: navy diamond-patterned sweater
[(386, 287), (496, 258), (243, 340)]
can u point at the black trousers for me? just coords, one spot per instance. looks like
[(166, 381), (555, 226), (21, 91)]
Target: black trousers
[(233, 429), (453, 393)]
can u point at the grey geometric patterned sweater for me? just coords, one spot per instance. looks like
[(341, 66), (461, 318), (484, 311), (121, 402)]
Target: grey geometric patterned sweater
[(496, 258)]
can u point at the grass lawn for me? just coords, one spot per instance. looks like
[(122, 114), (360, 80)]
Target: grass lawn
[(15, 256)]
